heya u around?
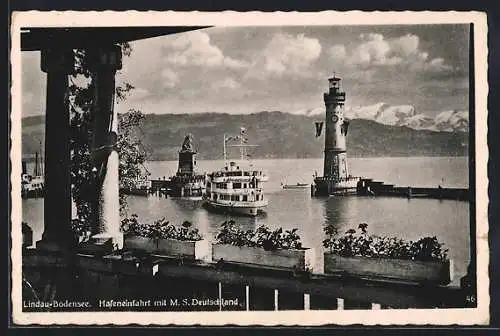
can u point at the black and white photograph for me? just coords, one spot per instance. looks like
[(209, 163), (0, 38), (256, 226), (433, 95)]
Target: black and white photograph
[(249, 168)]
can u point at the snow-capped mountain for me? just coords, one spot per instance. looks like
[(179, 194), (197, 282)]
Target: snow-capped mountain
[(452, 121), (310, 112), (419, 122), (404, 115), (383, 113)]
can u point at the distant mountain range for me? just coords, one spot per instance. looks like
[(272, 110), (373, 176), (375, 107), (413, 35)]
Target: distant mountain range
[(405, 115), (280, 135)]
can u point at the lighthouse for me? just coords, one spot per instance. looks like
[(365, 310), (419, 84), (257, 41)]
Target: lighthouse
[(335, 164), (336, 178)]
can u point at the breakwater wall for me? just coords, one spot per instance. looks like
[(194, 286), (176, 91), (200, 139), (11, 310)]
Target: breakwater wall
[(369, 187)]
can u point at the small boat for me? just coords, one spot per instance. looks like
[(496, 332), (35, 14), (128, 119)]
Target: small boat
[(33, 186), (235, 189), (296, 186), (139, 188)]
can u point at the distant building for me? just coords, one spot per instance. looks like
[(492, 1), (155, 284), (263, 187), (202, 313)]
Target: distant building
[(187, 182)]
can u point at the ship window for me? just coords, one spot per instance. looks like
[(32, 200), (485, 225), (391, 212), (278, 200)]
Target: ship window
[(208, 185), (235, 197), (245, 198), (237, 185), (246, 173)]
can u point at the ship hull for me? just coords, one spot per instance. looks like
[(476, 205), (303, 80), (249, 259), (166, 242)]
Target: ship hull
[(297, 186), (36, 193), (135, 191), (240, 210)]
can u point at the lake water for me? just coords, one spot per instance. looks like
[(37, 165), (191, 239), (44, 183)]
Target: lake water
[(407, 218)]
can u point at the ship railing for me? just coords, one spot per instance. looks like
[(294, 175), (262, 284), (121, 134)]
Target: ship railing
[(239, 191), (340, 179), (248, 203), (239, 178)]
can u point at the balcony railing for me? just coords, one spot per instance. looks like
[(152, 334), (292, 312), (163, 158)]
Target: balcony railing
[(255, 287)]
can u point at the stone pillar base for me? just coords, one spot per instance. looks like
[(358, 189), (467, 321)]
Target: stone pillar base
[(102, 244), (50, 246)]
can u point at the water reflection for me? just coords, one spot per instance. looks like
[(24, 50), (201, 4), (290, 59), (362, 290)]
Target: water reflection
[(409, 219)]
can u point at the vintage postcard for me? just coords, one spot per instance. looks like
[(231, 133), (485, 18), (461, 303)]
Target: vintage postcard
[(251, 168)]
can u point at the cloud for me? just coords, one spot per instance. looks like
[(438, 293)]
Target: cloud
[(338, 52), (286, 54), (33, 83), (226, 83), (247, 69), (139, 93), (169, 79), (196, 49), (375, 50), (405, 46), (437, 64)]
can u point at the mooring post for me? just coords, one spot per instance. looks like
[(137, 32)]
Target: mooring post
[(220, 295), (247, 297), (307, 301), (57, 236), (276, 296), (104, 61)]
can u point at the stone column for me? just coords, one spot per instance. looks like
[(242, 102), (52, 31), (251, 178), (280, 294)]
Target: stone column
[(57, 236), (103, 63)]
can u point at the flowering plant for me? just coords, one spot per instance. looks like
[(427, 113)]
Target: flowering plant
[(263, 236), (362, 244), (160, 229)]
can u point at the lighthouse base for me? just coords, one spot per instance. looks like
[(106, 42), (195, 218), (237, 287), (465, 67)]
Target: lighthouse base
[(326, 186)]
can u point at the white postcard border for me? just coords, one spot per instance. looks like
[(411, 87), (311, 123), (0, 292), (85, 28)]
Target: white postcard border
[(465, 316)]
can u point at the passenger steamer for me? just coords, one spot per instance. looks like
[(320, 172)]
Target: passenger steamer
[(235, 189)]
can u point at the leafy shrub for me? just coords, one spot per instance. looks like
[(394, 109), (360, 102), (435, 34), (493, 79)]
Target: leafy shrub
[(160, 229), (269, 240), (372, 246)]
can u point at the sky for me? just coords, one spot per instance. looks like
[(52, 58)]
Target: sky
[(285, 68)]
